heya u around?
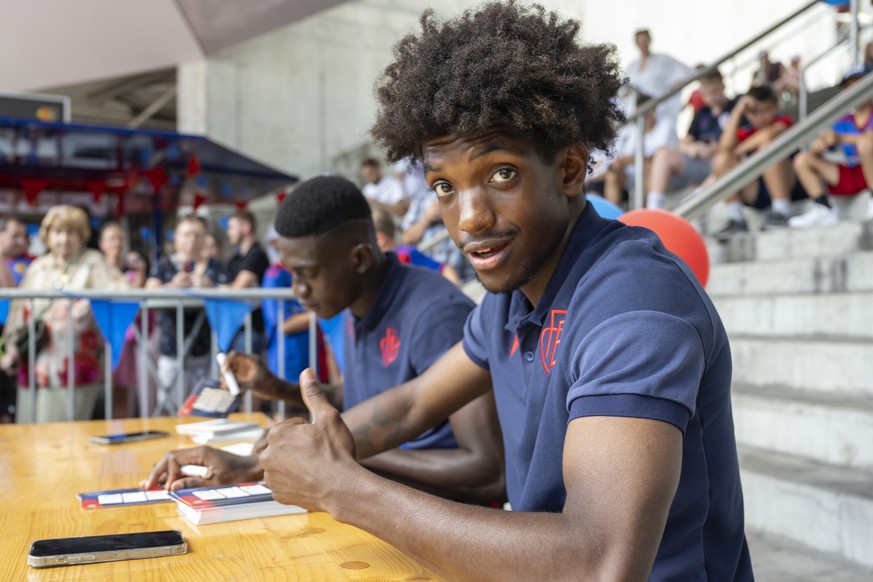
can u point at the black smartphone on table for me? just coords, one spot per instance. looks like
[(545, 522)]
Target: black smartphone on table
[(106, 548), (128, 437)]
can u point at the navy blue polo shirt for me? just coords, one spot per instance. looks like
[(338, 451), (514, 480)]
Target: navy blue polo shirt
[(416, 317), (622, 329)]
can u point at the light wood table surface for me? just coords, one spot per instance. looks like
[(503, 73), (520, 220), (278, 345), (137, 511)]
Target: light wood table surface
[(44, 466)]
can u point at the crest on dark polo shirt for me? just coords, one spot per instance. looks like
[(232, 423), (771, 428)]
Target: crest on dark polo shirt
[(550, 338), (389, 346)]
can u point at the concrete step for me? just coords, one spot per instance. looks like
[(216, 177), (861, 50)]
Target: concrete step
[(827, 428), (841, 315), (831, 274), (839, 239), (842, 366), (826, 508), (776, 559)]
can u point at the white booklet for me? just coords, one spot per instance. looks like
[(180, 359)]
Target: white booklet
[(219, 426)]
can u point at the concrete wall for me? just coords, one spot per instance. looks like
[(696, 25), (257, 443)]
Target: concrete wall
[(301, 98)]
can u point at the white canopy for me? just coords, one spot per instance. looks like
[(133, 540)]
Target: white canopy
[(48, 43)]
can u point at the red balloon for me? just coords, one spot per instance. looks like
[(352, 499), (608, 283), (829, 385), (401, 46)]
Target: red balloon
[(678, 236)]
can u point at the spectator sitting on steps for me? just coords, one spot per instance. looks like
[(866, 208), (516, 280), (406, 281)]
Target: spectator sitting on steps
[(754, 123), (691, 162), (853, 135)]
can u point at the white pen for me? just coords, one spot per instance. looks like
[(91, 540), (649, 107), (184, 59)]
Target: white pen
[(229, 378), (196, 471)]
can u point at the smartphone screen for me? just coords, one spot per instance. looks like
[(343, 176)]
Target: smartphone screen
[(128, 437), (66, 551), (108, 543)]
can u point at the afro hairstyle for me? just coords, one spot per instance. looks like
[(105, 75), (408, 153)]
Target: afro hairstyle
[(504, 66), (319, 205)]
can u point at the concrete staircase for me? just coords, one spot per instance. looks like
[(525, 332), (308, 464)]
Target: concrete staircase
[(798, 306)]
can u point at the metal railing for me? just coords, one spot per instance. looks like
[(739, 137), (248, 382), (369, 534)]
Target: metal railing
[(639, 115), (803, 90), (781, 147), (151, 300)]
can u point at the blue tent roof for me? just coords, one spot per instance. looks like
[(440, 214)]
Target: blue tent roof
[(35, 149)]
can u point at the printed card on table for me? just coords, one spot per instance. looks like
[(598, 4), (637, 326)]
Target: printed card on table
[(122, 497)]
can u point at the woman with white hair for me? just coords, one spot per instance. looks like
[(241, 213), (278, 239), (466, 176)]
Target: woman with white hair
[(67, 266)]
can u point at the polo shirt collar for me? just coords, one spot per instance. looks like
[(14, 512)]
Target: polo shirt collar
[(384, 297), (588, 226)]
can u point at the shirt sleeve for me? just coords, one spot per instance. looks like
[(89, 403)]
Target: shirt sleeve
[(641, 364), (393, 192), (256, 262), (476, 337)]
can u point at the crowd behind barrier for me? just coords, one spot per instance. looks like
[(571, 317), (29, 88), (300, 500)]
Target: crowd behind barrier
[(114, 313)]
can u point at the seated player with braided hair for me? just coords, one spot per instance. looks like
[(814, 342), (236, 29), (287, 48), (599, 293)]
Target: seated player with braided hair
[(609, 364)]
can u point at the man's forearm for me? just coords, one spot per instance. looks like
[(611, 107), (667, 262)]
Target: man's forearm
[(276, 388), (388, 420), (452, 473), (413, 234), (463, 542), (728, 140)]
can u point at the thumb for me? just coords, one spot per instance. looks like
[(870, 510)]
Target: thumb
[(314, 397)]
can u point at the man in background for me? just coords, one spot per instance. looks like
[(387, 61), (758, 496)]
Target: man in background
[(246, 270), (383, 192), (691, 162), (386, 238)]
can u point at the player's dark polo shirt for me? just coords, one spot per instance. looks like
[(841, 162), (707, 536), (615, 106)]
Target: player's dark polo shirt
[(417, 316), (623, 329)]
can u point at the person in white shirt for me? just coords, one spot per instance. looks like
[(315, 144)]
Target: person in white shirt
[(383, 192), (655, 74), (616, 169)]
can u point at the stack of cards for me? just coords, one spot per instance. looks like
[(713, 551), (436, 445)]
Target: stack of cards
[(220, 429), (205, 505), (122, 497)]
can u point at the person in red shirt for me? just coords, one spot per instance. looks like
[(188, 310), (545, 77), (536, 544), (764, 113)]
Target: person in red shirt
[(753, 124)]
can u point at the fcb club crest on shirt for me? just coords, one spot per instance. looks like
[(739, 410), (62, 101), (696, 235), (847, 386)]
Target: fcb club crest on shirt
[(550, 338), (389, 346)]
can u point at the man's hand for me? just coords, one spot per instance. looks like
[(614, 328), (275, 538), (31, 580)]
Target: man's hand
[(707, 150), (182, 280), (825, 141), (743, 104), (304, 462), (200, 280), (618, 164), (223, 468), (81, 309), (252, 374)]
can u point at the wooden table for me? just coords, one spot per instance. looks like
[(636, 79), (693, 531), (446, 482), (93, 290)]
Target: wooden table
[(43, 466)]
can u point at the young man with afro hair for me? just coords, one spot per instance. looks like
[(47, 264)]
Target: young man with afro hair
[(609, 364)]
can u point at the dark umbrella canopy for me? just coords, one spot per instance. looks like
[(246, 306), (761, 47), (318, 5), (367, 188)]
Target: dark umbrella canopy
[(36, 156)]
